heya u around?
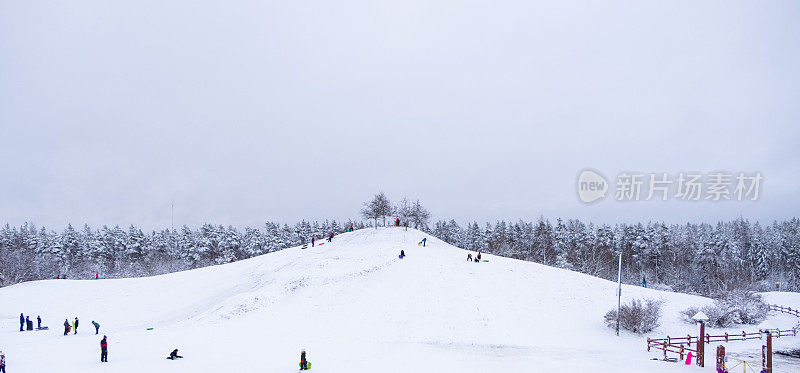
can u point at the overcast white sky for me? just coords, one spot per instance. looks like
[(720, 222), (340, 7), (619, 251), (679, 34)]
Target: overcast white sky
[(247, 111)]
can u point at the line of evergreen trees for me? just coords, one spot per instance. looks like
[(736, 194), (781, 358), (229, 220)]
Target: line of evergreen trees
[(30, 253), (699, 258)]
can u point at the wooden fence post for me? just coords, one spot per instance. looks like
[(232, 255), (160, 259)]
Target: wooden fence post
[(769, 353), (701, 346)]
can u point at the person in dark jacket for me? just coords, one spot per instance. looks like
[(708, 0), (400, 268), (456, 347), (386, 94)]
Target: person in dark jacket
[(28, 323), (402, 254), (303, 361), (103, 350), (96, 327), (2, 362), (478, 256), (21, 322), (469, 257), (312, 240), (38, 322), (66, 326), (174, 355), (76, 326)]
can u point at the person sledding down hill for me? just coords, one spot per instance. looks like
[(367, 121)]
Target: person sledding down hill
[(174, 355)]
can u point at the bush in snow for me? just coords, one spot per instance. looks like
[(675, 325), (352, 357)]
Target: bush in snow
[(733, 307), (638, 316)]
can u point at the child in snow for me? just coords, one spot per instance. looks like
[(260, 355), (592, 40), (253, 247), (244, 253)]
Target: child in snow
[(402, 254), (66, 326), (303, 362), (2, 362), (103, 350), (174, 355), (96, 327), (469, 257)]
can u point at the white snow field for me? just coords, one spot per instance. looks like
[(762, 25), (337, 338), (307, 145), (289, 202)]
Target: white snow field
[(355, 307)]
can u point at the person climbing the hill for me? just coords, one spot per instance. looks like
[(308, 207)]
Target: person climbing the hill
[(330, 237), (66, 326), (174, 355), (424, 240), (312, 240), (303, 361), (103, 350), (469, 257), (2, 362), (644, 282), (351, 227), (76, 325), (402, 254), (21, 322), (96, 327), (38, 322)]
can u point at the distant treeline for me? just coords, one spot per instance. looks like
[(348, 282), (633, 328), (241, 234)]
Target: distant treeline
[(31, 253), (699, 258)]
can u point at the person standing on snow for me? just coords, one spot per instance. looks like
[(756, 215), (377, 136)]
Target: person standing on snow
[(103, 350), (402, 254), (2, 362), (96, 327), (38, 322), (424, 240), (644, 282), (28, 323), (21, 322), (66, 326), (76, 325), (303, 361), (469, 257), (312, 240), (330, 237)]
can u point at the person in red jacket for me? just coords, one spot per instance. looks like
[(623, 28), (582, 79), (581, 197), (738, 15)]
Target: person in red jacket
[(103, 350)]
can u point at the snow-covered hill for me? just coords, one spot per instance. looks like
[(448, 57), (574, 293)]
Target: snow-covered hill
[(355, 307)]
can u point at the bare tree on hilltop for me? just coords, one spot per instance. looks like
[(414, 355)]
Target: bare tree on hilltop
[(378, 207)]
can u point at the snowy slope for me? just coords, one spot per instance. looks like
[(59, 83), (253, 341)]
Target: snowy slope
[(354, 305)]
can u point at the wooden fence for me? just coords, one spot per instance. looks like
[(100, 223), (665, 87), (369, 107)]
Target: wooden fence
[(683, 345)]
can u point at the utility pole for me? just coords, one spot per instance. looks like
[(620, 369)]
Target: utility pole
[(619, 289)]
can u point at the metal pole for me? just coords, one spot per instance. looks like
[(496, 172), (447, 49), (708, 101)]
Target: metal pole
[(619, 289)]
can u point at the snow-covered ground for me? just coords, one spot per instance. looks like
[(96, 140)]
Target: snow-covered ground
[(355, 307)]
